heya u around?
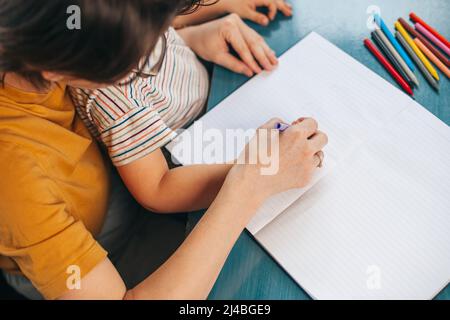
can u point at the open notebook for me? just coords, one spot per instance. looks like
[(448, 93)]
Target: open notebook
[(374, 224)]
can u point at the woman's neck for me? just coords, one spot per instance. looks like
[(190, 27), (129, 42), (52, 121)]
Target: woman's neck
[(18, 82)]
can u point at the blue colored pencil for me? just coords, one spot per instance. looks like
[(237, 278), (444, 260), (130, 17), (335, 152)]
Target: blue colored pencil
[(394, 41)]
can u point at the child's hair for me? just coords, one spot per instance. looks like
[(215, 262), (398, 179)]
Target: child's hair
[(113, 36)]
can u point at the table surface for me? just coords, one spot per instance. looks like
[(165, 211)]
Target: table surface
[(250, 272)]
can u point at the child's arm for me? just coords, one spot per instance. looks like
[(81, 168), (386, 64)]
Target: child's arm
[(246, 9), (183, 189)]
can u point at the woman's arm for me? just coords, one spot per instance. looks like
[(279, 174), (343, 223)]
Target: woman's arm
[(193, 269), (182, 189)]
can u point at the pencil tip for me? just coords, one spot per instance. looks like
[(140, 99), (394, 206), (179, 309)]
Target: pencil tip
[(436, 87)]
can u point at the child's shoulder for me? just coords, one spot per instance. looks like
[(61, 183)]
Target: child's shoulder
[(111, 102)]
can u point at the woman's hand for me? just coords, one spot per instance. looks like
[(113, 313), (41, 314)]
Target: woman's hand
[(211, 41), (297, 152), (247, 9)]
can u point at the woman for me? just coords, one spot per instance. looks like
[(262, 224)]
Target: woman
[(59, 224)]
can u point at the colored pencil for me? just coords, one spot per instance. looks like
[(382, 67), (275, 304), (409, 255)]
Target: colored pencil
[(417, 51), (396, 59), (417, 61), (432, 38), (433, 58), (282, 126), (384, 50), (394, 42), (417, 19), (430, 47), (379, 56)]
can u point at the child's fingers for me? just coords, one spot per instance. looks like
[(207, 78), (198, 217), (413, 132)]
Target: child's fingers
[(239, 44), (271, 55), (272, 10), (284, 7), (230, 62), (257, 17), (258, 46), (271, 6), (262, 58)]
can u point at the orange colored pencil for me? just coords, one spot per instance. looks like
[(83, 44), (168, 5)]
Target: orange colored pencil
[(432, 57)]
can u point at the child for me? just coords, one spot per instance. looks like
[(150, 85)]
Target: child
[(137, 117)]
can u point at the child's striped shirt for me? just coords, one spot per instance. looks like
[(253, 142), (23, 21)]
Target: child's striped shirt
[(135, 119)]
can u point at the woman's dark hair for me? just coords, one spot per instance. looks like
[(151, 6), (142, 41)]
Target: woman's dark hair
[(114, 36)]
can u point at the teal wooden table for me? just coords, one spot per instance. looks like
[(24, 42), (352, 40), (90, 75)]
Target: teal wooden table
[(250, 273)]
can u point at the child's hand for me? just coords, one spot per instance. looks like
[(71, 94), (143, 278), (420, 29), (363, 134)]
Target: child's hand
[(299, 154), (247, 9), (212, 42)]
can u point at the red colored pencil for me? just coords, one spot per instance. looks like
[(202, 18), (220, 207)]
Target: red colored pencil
[(369, 45), (416, 34), (416, 19)]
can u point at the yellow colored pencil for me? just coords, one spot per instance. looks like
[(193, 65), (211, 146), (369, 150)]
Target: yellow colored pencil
[(438, 63), (419, 53)]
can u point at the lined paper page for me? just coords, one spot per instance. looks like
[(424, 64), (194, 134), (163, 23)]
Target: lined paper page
[(376, 225)]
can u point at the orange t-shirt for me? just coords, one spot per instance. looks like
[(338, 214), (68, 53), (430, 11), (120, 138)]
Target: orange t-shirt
[(54, 187)]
